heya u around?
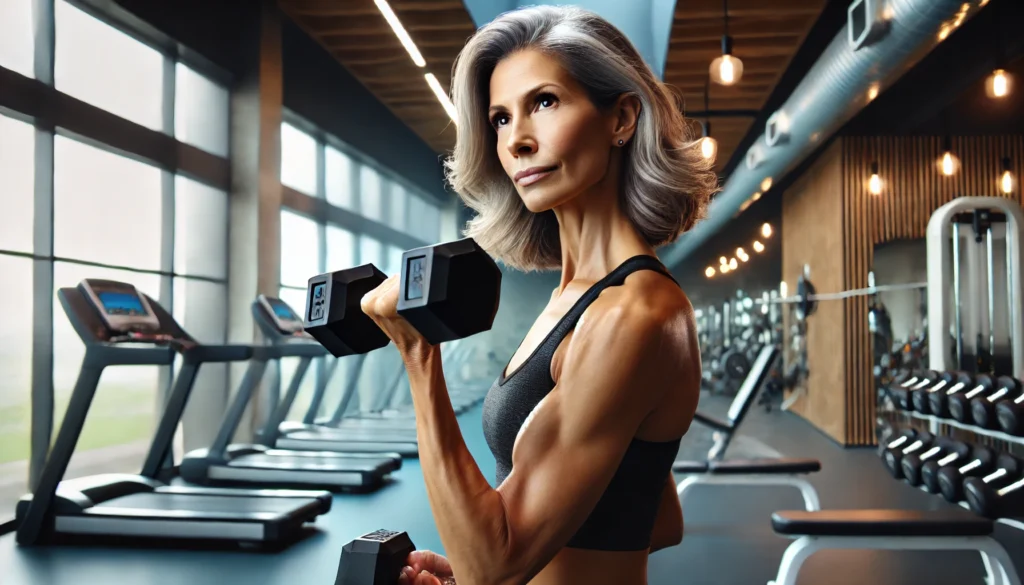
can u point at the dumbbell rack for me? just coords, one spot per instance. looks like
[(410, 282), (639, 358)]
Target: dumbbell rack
[(935, 421)]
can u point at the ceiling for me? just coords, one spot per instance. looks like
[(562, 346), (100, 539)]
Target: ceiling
[(355, 32), (766, 34)]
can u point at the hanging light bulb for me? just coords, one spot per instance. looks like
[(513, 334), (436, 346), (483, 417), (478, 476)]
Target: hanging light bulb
[(998, 84), (875, 182), (709, 272), (766, 230), (873, 91), (758, 247), (708, 145), (1006, 181), (722, 260), (733, 264), (766, 184), (755, 196), (724, 268), (948, 162), (727, 69)]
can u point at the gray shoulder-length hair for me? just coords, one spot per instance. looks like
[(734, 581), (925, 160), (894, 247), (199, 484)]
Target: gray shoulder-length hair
[(666, 183)]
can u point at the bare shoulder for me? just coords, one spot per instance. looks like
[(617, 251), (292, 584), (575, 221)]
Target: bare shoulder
[(648, 304)]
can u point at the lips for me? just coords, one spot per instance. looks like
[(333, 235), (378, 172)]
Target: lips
[(532, 174)]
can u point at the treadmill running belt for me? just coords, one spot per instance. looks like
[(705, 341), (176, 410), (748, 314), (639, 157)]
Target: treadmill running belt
[(304, 462), (159, 505)]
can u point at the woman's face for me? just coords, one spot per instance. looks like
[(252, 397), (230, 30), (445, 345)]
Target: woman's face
[(552, 141)]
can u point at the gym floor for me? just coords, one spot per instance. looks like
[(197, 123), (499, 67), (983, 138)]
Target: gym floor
[(728, 539)]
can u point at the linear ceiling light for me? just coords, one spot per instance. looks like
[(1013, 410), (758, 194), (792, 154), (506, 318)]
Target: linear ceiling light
[(400, 32), (442, 95)]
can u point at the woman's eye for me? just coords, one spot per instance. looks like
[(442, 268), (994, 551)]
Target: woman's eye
[(546, 101), (499, 120)]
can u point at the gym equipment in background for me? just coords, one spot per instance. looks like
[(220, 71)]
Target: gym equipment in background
[(983, 408), (983, 494), (226, 463), (121, 326)]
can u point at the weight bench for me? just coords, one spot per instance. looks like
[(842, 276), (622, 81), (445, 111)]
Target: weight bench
[(952, 529), (774, 472), (769, 471)]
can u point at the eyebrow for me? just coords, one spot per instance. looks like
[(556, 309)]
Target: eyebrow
[(526, 96)]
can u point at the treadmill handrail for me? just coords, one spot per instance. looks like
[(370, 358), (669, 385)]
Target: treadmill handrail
[(297, 348), (224, 353), (116, 354)]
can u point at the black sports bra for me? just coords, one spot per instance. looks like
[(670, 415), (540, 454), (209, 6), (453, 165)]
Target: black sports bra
[(624, 517)]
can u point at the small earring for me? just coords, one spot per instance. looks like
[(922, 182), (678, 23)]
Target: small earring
[(620, 142)]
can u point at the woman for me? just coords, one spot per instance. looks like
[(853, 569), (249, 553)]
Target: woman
[(575, 158)]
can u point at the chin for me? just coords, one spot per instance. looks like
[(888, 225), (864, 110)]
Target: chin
[(540, 200)]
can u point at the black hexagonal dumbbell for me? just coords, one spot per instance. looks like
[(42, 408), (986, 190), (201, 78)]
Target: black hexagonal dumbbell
[(983, 408), (988, 495), (333, 313), (947, 381), (894, 457), (951, 477), (448, 291), (941, 447), (376, 558), (938, 402)]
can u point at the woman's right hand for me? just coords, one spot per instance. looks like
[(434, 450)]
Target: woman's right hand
[(426, 568)]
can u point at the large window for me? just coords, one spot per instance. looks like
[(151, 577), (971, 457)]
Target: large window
[(16, 42), (341, 248), (298, 159), (201, 110), (300, 257), (114, 216), (99, 64), (16, 379), (17, 147), (106, 208)]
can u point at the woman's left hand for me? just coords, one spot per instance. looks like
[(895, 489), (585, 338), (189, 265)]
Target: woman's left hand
[(381, 305)]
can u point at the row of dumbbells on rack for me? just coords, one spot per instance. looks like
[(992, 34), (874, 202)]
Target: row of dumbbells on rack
[(990, 482), (981, 400)]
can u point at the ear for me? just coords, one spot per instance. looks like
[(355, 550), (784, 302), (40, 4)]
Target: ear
[(626, 113)]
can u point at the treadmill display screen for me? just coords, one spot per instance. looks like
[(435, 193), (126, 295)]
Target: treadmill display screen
[(414, 278), (121, 303), (283, 311)]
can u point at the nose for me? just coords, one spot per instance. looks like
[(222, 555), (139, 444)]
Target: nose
[(521, 140)]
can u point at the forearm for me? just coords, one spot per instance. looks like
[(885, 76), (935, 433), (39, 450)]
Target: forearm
[(469, 514)]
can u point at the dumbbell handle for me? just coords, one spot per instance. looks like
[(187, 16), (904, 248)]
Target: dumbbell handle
[(1011, 488), (930, 453), (998, 394), (955, 388), (972, 465), (915, 446), (974, 391)]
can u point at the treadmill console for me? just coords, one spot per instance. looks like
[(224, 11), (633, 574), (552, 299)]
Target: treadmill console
[(120, 305), (283, 317)]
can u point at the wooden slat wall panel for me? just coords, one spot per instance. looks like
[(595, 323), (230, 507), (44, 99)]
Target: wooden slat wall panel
[(914, 188)]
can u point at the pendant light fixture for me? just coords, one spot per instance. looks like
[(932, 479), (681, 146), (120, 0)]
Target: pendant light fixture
[(727, 69), (1006, 179), (875, 181), (948, 163), (708, 145)]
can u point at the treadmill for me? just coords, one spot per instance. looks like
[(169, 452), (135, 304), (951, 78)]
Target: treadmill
[(224, 463), (280, 325), (122, 327)]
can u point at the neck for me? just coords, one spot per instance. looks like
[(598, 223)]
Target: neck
[(595, 235)]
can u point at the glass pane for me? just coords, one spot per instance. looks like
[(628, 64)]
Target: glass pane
[(431, 223), (298, 159), (201, 116), (16, 381), (394, 260), (17, 169), (369, 193), (339, 178), (123, 415), (414, 219), (371, 252), (200, 307), (99, 64), (397, 210), (296, 299), (16, 38), (200, 229), (300, 250), (106, 208), (341, 248)]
